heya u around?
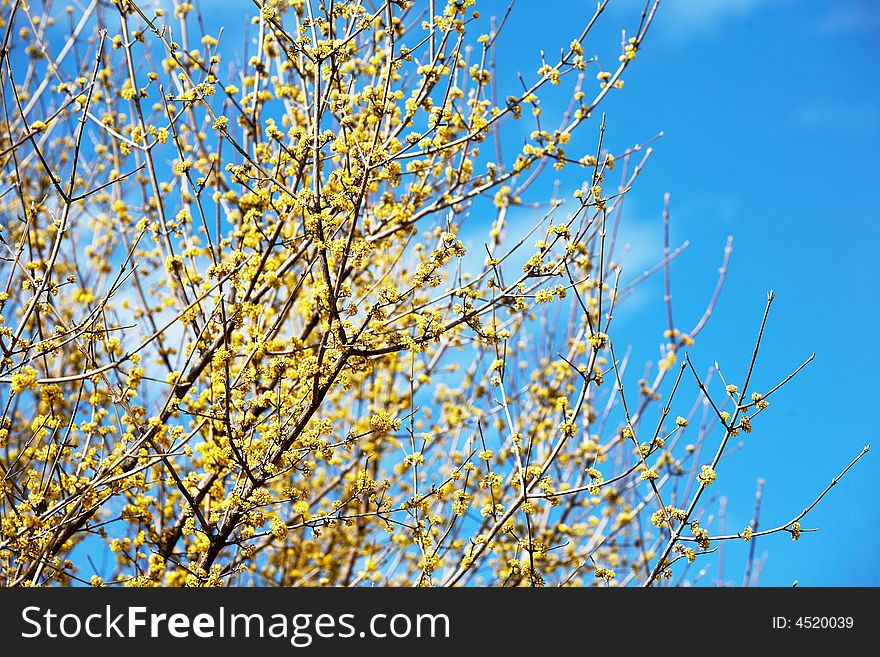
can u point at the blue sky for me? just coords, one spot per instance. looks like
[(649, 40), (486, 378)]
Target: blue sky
[(771, 119), (771, 115)]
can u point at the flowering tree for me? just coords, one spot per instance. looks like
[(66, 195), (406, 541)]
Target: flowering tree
[(245, 340)]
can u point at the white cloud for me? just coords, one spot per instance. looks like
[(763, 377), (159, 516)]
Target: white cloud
[(639, 246)]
